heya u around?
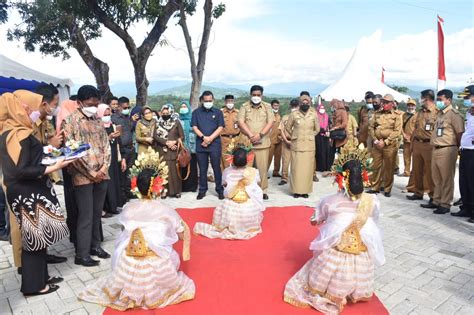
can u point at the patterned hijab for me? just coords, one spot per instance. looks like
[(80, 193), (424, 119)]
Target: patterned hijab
[(164, 126), (323, 118), (15, 119)]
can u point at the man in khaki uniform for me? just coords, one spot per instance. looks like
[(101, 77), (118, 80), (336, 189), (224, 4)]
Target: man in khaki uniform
[(409, 120), (445, 139), (302, 126), (255, 121), (364, 114), (286, 142), (385, 129), (231, 131), (276, 141), (420, 178)]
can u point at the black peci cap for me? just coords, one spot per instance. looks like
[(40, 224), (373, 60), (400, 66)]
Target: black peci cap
[(468, 91)]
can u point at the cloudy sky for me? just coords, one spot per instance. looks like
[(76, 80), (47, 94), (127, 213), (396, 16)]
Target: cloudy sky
[(271, 41)]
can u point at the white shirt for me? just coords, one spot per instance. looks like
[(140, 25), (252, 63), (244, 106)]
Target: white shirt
[(467, 139)]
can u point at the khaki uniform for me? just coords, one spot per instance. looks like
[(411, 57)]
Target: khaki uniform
[(256, 118), (276, 146), (449, 123), (364, 117), (421, 177), (386, 127), (231, 132), (352, 130), (43, 130), (143, 133), (409, 121), (302, 128), (285, 151)]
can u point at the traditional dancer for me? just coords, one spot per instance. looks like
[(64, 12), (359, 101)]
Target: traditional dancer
[(145, 265), (348, 246), (240, 214)]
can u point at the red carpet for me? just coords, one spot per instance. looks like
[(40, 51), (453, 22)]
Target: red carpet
[(248, 277)]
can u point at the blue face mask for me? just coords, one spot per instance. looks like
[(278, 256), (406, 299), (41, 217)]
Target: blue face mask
[(369, 106), (440, 105), (468, 103)]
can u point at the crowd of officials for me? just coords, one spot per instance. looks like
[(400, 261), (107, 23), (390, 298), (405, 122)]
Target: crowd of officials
[(298, 145)]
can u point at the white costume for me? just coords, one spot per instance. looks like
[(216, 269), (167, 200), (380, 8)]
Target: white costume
[(144, 265), (239, 216), (345, 252)]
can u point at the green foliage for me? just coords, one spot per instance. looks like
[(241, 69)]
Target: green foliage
[(3, 11), (218, 10), (401, 89), (45, 26)]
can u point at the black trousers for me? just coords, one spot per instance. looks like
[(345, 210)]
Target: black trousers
[(203, 162), (466, 179), (71, 206), (4, 231), (90, 202), (125, 181), (34, 273)]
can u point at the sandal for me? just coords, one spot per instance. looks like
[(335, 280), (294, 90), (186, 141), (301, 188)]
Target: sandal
[(54, 280), (51, 288)]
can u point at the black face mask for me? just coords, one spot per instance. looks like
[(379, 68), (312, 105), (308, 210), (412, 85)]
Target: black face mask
[(377, 106), (304, 107), (166, 117)]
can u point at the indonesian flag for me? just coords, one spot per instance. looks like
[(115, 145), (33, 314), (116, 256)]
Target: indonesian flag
[(441, 67), (383, 75)]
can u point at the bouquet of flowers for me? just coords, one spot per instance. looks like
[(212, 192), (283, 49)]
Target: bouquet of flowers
[(72, 150)]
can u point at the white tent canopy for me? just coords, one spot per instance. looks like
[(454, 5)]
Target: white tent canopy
[(361, 74), (12, 69)]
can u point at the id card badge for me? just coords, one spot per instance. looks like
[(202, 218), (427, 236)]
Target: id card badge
[(428, 127), (439, 132), (236, 126)]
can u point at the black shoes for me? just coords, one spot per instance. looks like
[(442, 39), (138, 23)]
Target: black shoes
[(296, 195), (300, 195), (371, 191), (99, 252), (281, 183), (414, 197), (201, 195), (54, 280), (458, 203), (221, 196), (388, 194), (429, 205), (52, 259), (462, 213), (441, 210), (305, 195), (86, 261), (265, 197)]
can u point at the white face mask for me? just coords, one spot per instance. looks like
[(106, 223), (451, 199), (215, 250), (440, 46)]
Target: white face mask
[(34, 116), (256, 100), (294, 109), (229, 105), (275, 110), (106, 119), (322, 111), (208, 105), (411, 110), (49, 117), (89, 111)]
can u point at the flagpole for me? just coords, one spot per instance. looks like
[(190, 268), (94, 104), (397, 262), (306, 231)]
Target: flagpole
[(441, 79)]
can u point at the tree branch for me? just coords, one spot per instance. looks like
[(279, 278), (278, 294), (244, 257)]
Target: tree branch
[(187, 38), (205, 36)]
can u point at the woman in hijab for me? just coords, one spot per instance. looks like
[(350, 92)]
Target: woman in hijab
[(30, 193), (339, 121), (190, 182), (145, 129), (112, 199), (169, 135), (322, 141)]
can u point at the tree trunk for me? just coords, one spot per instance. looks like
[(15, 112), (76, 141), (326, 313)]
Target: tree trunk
[(141, 81), (99, 68), (197, 69)]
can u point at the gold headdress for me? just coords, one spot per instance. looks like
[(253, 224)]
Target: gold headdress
[(150, 160), (351, 153), (237, 145)]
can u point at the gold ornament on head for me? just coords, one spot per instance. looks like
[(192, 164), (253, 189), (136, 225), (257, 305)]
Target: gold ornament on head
[(351, 153), (150, 160)]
